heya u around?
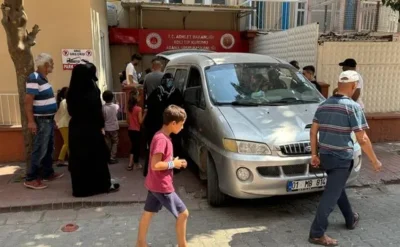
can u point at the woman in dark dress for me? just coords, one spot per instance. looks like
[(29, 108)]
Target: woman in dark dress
[(88, 150), (163, 96)]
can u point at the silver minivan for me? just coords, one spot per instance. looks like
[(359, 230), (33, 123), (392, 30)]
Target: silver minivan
[(249, 118)]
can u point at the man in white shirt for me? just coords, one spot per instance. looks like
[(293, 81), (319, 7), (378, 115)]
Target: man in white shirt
[(351, 64), (131, 74)]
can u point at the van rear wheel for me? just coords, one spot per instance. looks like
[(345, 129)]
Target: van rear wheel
[(214, 195)]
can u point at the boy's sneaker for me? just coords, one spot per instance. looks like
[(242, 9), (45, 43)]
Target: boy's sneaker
[(54, 177), (113, 161), (35, 185)]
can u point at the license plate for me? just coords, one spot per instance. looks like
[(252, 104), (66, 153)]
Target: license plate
[(307, 184)]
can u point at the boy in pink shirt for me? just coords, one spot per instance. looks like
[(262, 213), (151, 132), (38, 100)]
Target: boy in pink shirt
[(159, 178)]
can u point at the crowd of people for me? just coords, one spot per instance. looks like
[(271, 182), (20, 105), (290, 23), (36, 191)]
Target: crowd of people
[(89, 129)]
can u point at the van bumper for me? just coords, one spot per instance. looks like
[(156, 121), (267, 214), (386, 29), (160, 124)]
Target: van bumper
[(270, 176)]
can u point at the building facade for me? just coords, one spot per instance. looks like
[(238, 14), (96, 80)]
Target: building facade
[(67, 29)]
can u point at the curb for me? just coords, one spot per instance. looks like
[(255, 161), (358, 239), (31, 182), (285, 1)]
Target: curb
[(66, 205), (377, 183)]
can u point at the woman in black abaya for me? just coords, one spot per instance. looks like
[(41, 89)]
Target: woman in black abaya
[(89, 155)]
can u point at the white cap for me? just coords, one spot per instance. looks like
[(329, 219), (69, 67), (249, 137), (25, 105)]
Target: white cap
[(349, 76)]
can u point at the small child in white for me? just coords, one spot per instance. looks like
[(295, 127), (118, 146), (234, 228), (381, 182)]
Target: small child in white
[(111, 126)]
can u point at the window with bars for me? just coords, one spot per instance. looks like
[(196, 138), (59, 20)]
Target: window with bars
[(301, 14), (260, 16)]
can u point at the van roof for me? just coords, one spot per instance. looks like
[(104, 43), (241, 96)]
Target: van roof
[(207, 59)]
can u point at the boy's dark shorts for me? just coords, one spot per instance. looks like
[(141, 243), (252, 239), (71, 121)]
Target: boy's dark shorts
[(171, 201)]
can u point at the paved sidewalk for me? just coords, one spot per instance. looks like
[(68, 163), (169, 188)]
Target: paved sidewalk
[(389, 155), (15, 197), (274, 222)]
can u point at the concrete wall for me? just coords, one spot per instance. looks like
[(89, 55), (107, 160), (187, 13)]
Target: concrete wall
[(377, 64), (78, 24), (63, 24)]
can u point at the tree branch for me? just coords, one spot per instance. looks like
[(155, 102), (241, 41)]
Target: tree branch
[(5, 9), (31, 36)]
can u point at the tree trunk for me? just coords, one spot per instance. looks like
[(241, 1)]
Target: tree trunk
[(19, 42)]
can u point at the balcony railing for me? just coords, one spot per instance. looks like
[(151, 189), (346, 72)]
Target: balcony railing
[(10, 110), (189, 2)]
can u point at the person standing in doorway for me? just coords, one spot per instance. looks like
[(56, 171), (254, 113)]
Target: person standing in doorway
[(131, 74), (334, 121), (40, 107), (62, 121)]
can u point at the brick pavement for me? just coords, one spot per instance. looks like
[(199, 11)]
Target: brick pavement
[(283, 222), (389, 155), (14, 197)]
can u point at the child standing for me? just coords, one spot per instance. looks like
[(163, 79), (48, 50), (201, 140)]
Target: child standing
[(135, 119), (159, 181), (111, 126), (62, 121)]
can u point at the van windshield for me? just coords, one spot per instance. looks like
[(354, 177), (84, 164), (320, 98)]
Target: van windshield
[(259, 84)]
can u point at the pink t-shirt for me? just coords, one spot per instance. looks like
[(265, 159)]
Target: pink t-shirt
[(134, 118), (160, 181)]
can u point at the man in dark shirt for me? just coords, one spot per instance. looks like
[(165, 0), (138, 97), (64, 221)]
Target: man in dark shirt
[(153, 79), (334, 122), (309, 73)]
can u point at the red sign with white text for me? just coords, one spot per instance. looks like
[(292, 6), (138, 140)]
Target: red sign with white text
[(155, 41)]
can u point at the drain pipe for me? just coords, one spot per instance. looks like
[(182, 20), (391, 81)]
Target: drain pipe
[(254, 26), (251, 15), (378, 9)]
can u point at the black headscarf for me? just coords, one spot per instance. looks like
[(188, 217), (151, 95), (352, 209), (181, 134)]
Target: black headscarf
[(93, 70), (83, 98)]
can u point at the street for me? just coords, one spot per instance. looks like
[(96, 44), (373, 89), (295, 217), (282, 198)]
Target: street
[(282, 221)]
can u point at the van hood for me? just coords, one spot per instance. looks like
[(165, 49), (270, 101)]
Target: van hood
[(274, 125)]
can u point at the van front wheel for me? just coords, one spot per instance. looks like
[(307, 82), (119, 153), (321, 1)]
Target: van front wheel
[(214, 195)]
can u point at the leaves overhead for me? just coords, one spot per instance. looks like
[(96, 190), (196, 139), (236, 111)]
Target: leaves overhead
[(394, 4)]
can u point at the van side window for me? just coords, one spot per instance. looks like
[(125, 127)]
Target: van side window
[(170, 70), (194, 91), (180, 79), (194, 78)]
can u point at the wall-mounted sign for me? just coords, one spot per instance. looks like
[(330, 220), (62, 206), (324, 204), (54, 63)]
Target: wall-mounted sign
[(73, 57), (154, 41)]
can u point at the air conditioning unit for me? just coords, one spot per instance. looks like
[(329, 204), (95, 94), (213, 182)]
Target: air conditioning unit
[(112, 15)]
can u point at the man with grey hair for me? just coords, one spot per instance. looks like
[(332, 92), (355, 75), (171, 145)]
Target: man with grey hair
[(40, 107)]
